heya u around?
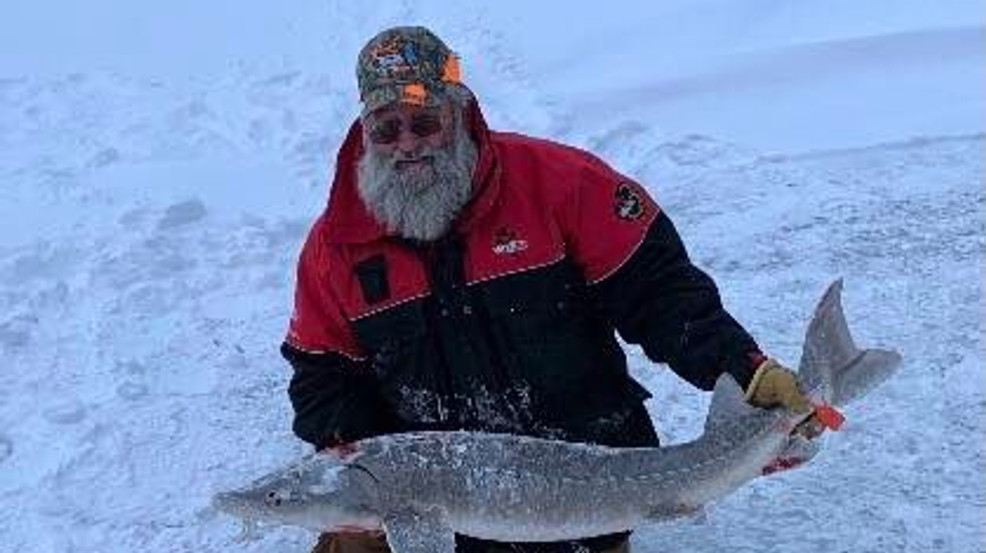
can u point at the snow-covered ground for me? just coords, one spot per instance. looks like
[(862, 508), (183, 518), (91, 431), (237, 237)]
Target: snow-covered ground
[(160, 165)]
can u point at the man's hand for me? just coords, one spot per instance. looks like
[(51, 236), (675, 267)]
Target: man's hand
[(774, 385), (339, 446)]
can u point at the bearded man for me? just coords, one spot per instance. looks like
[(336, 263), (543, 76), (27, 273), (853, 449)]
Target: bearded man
[(467, 279)]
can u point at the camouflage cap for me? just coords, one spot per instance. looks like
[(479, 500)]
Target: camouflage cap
[(404, 64)]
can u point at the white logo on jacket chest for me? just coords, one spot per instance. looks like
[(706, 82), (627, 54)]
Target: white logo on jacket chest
[(506, 242)]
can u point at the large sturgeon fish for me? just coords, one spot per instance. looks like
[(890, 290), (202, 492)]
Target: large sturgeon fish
[(421, 488)]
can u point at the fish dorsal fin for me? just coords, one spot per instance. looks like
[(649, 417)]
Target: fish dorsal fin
[(419, 531), (728, 402)]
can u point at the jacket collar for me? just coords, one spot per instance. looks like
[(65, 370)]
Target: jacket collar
[(349, 221)]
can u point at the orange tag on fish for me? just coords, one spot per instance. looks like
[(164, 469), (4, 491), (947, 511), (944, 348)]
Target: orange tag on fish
[(829, 416)]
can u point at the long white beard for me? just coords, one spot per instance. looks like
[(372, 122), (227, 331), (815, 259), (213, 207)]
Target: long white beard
[(419, 202)]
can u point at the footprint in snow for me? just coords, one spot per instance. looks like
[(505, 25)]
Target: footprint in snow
[(6, 448), (181, 214), (131, 390), (71, 412)]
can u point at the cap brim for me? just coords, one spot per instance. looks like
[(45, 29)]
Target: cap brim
[(395, 94)]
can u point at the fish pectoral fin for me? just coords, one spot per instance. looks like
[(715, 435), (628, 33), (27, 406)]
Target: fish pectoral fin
[(419, 531)]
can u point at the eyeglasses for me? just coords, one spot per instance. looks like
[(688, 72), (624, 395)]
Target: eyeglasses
[(421, 124)]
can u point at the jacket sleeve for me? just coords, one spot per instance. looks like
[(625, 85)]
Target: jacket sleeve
[(333, 390), (672, 309), (644, 282), (334, 399)]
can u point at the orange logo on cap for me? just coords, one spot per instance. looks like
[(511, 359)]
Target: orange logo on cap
[(414, 94), (452, 73)]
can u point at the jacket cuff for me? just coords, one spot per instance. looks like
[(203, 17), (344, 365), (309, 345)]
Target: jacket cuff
[(745, 369)]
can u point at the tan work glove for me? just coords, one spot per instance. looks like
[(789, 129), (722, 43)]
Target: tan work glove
[(774, 385)]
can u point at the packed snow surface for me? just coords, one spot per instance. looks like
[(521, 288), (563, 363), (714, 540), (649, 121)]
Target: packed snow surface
[(160, 165)]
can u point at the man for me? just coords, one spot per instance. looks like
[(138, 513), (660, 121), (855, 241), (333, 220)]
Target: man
[(462, 278)]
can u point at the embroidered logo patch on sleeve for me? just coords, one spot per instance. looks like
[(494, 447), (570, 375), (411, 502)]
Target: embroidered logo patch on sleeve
[(628, 205)]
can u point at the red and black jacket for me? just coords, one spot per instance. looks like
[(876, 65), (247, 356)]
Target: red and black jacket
[(508, 323)]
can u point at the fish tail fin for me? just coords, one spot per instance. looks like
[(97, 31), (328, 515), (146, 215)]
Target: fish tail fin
[(832, 364)]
